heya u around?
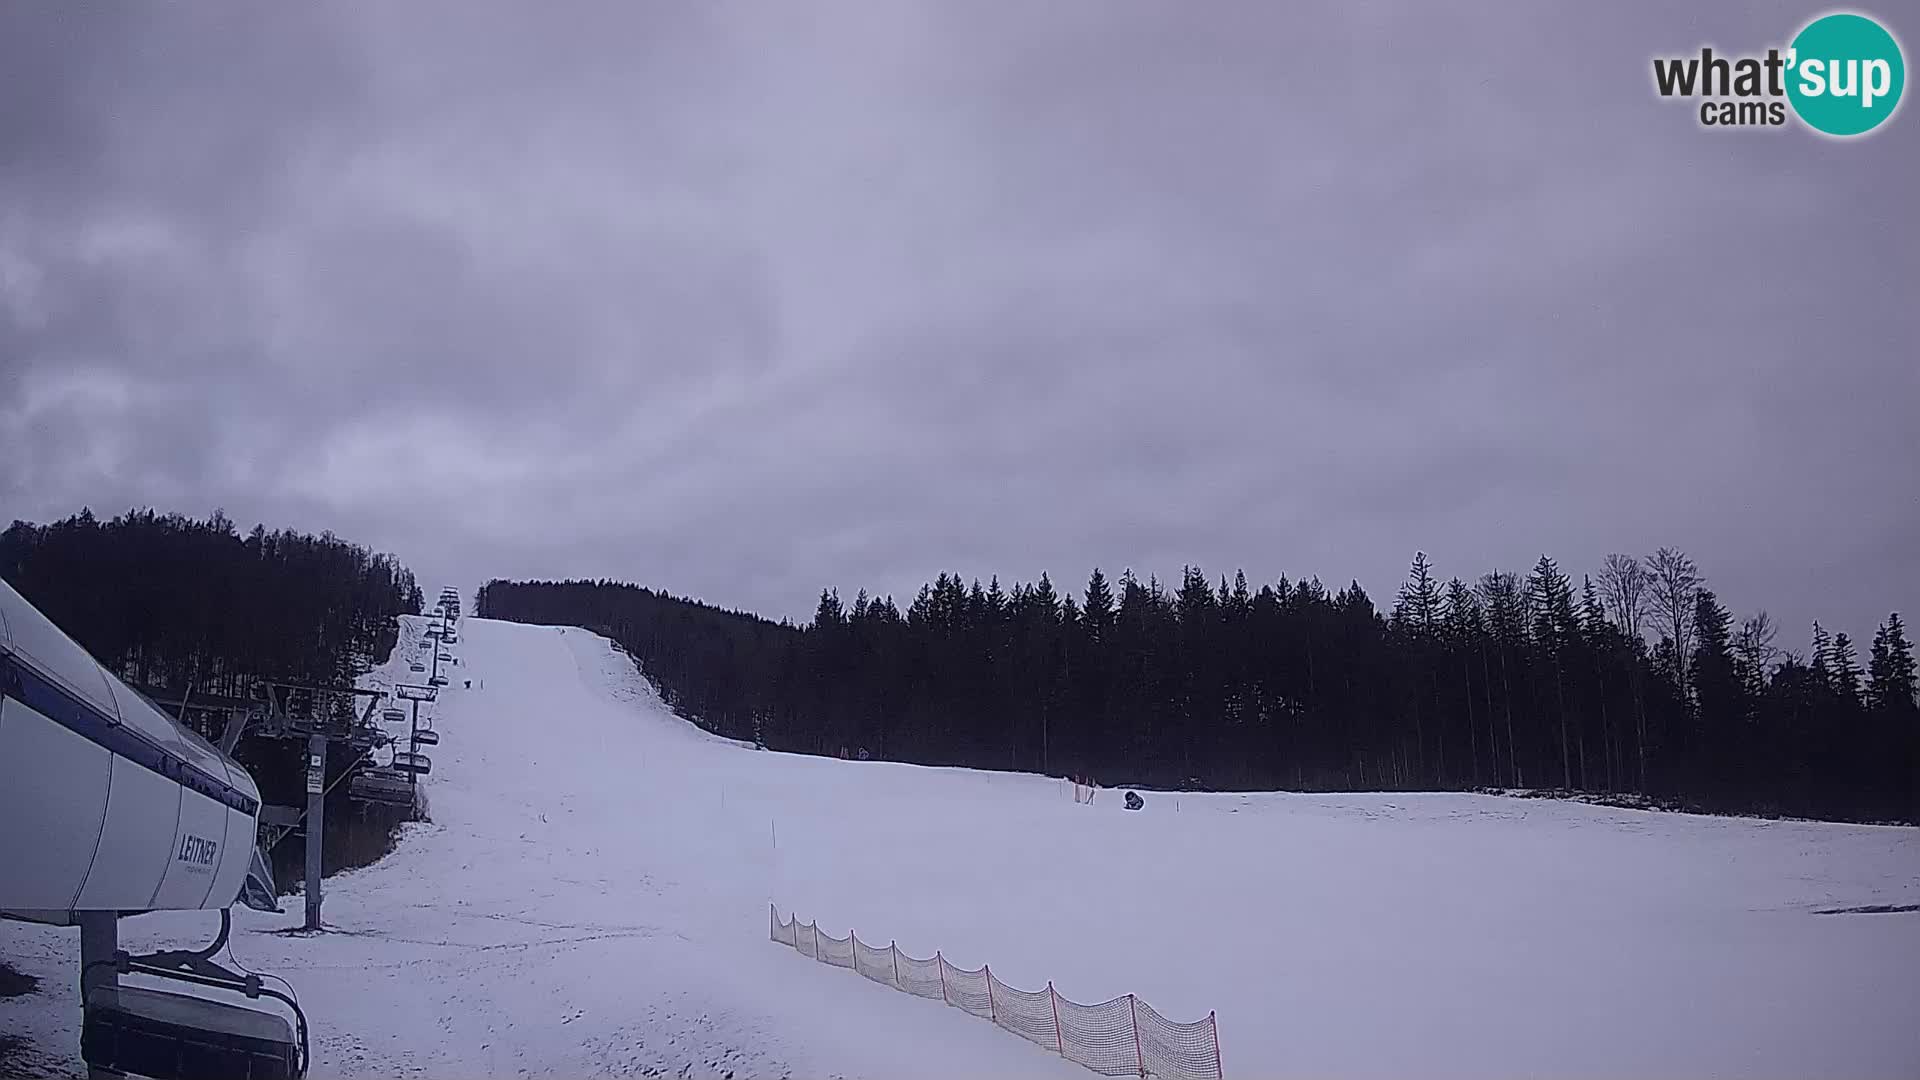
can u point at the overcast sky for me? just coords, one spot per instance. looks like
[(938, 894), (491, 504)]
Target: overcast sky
[(745, 300)]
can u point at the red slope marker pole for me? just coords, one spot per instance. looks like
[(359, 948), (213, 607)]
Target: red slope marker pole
[(942, 961), (993, 1014), (894, 948)]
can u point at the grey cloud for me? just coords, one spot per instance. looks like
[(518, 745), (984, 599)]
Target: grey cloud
[(744, 301)]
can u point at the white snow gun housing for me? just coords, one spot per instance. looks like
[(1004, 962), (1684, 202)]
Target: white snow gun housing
[(109, 808)]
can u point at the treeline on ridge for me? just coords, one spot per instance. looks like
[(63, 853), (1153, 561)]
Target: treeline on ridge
[(169, 601), (1637, 683), (172, 604)]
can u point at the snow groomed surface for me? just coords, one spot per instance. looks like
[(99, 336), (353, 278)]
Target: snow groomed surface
[(591, 898)]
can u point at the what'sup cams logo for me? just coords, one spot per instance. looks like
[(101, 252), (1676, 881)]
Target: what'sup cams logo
[(1842, 76)]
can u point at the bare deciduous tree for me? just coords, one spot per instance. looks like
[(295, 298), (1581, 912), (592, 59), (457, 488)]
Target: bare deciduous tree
[(1672, 582), (1753, 644), (1623, 591)]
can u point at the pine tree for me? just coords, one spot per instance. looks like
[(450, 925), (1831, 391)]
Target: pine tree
[(1550, 595), (1716, 685), (1891, 689), (1844, 670), (829, 615), (1890, 669), (1418, 604), (1097, 609)]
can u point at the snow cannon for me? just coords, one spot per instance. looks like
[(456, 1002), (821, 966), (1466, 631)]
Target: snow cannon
[(130, 812)]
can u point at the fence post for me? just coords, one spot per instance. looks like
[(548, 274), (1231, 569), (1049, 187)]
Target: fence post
[(1214, 1024), (993, 1014), (894, 948), (1053, 997), (942, 961), (1139, 1059)]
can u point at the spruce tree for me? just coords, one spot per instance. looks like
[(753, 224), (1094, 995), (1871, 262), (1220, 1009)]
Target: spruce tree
[(1844, 671), (1890, 669), (1418, 604), (1097, 609)]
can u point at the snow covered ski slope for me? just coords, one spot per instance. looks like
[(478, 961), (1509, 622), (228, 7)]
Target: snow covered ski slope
[(591, 899)]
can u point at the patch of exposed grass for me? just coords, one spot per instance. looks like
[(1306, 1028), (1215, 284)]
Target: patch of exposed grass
[(16, 984)]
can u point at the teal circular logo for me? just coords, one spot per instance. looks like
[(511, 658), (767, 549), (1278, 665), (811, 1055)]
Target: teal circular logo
[(1845, 74)]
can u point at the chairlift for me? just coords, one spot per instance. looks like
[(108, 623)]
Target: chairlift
[(393, 716), (416, 666), (380, 785), (446, 658), (437, 680), (418, 764), (149, 1032), (426, 737)]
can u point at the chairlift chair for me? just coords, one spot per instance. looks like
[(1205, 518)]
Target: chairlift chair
[(437, 680), (407, 762), (416, 666), (381, 785), (426, 737), (393, 716), (153, 1033)]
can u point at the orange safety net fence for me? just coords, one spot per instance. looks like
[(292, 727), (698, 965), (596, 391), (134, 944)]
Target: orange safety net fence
[(1121, 1037)]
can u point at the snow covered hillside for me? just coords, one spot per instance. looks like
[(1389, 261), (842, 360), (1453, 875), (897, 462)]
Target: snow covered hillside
[(591, 899)]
